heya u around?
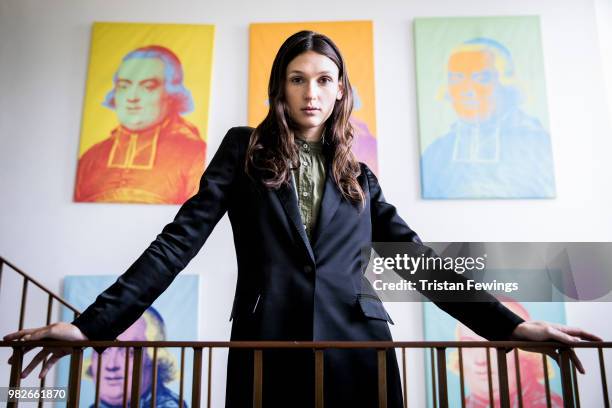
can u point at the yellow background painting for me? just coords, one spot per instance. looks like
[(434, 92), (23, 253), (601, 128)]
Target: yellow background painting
[(354, 38), (110, 42)]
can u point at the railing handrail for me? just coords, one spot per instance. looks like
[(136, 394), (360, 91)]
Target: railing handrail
[(311, 344), (40, 285)]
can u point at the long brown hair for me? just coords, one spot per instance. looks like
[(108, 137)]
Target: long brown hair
[(272, 151)]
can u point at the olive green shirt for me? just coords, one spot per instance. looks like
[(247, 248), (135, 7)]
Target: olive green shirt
[(309, 179)]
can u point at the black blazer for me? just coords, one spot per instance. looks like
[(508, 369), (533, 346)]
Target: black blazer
[(288, 288)]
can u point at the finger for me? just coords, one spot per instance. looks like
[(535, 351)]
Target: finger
[(584, 335), (35, 361), (559, 335), (48, 364), (18, 334), (576, 361), (25, 350)]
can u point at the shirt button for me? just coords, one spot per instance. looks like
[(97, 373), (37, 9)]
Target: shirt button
[(305, 194), (304, 163), (305, 147)]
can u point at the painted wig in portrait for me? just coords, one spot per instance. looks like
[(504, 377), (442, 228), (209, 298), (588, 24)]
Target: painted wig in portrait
[(483, 118), (145, 115), (355, 40), (173, 316)]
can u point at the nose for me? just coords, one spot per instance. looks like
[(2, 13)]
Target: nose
[(132, 94), (113, 359), (311, 91)]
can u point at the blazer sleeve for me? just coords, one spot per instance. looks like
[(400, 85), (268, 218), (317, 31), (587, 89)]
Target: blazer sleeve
[(125, 300), (485, 315)]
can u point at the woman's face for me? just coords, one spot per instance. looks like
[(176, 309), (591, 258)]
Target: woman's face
[(311, 90)]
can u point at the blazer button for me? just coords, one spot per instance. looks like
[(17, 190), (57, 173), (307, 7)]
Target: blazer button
[(308, 269)]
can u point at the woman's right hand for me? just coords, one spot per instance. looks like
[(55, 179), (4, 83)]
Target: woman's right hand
[(57, 331)]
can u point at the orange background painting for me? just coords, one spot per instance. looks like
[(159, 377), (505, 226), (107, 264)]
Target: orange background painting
[(353, 38)]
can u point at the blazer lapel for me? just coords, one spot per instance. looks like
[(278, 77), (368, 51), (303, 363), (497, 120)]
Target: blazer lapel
[(329, 204), (287, 196)]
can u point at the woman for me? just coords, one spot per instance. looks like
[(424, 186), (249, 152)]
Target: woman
[(301, 208)]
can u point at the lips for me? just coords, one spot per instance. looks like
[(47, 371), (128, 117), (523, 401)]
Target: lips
[(310, 109)]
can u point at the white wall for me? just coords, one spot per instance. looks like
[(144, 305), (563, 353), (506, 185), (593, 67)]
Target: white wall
[(43, 58)]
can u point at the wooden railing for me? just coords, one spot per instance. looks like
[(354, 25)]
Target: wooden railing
[(440, 396), (27, 281), (437, 352)]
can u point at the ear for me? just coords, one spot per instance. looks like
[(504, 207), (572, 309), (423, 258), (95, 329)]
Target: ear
[(340, 91)]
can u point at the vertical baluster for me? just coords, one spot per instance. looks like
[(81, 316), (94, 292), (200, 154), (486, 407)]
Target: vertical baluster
[(136, 377), (17, 361), (1, 265), (502, 376), (24, 294), (489, 376), (98, 373), (74, 383), (196, 387), (319, 401), (434, 393), (210, 356), (257, 379), (382, 379), (49, 309), (48, 321), (405, 375), (126, 376), (546, 381), (575, 381), (566, 380), (461, 378), (154, 380), (182, 378), (604, 382), (442, 386), (519, 386)]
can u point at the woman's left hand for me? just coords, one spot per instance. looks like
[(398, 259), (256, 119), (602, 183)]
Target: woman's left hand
[(545, 331)]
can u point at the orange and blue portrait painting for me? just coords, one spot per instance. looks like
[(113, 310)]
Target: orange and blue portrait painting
[(146, 108), (483, 117)]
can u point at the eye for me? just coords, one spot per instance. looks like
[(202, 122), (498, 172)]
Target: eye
[(296, 80), (325, 80), (483, 77), (454, 77)]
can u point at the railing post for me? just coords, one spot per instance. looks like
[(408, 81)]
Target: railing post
[(74, 382), (566, 379), (604, 382), (98, 373), (382, 378), (461, 378), (181, 377), (502, 376), (210, 359), (136, 377), (257, 379), (15, 378), (24, 295), (196, 386), (442, 386), (154, 380), (490, 377), (519, 386), (126, 375), (319, 363), (546, 380)]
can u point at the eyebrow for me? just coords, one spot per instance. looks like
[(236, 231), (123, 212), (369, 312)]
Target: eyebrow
[(152, 79), (295, 71)]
